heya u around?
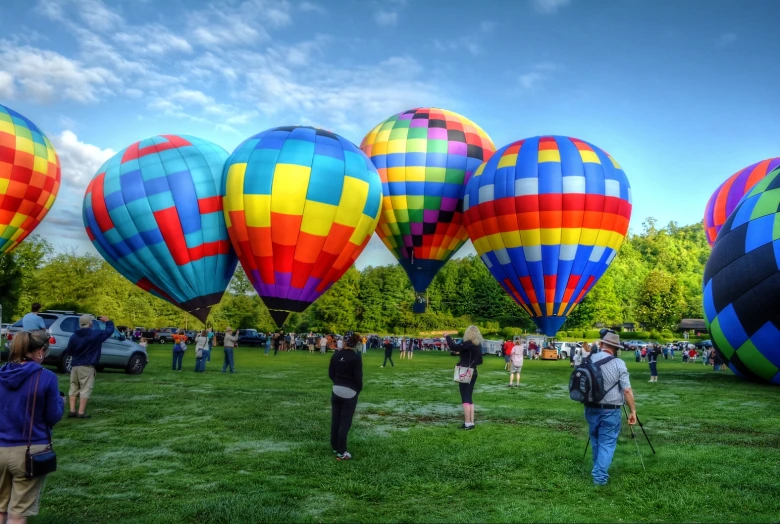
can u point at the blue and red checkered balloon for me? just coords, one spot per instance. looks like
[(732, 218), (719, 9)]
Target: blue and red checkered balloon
[(154, 212)]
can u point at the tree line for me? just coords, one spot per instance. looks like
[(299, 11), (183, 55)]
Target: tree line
[(655, 281)]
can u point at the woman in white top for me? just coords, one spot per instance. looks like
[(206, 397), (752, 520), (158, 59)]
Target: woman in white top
[(201, 344), (403, 348), (516, 361)]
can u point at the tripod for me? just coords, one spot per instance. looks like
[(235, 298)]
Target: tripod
[(633, 437)]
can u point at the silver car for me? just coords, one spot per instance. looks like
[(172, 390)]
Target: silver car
[(117, 351)]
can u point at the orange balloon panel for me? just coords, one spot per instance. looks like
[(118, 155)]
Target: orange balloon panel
[(29, 177)]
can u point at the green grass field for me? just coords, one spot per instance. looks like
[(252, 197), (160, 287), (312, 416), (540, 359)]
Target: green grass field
[(254, 447)]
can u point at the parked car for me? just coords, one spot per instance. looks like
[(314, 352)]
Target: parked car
[(4, 329), (165, 335), (250, 338), (117, 351), (704, 344), (565, 349)]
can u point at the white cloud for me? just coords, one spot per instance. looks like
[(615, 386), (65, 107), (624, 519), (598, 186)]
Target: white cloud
[(311, 7), (537, 75), (726, 39), (192, 96), (97, 16), (153, 39), (228, 27), (45, 75), (79, 160), (469, 44), (6, 85), (386, 18), (550, 6)]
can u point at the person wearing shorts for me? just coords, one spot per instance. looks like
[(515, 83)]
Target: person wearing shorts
[(516, 363), (85, 345)]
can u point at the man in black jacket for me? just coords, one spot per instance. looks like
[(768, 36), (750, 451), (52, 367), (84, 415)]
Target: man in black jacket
[(388, 352), (346, 372)]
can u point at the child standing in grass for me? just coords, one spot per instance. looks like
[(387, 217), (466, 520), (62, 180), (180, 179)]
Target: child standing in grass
[(516, 361)]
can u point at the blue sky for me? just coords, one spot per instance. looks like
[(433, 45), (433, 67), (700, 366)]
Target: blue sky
[(682, 94)]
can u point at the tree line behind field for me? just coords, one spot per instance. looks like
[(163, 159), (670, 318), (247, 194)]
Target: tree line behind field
[(654, 281)]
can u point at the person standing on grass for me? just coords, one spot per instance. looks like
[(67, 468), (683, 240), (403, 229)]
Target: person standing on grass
[(201, 347), (340, 343), (605, 417), (652, 361), (388, 352), (516, 361), (25, 385), (507, 350), (346, 373), (269, 339), (402, 348), (207, 351), (410, 350), (310, 342), (85, 345), (229, 342), (32, 321), (470, 353), (278, 341), (323, 344), (179, 347)]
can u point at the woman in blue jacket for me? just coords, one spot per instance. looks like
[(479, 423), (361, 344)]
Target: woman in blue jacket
[(19, 496)]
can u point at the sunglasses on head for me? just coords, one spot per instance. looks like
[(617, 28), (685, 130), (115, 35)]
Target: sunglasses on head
[(604, 332)]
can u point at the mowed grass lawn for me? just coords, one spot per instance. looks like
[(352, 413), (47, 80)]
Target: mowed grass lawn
[(254, 447)]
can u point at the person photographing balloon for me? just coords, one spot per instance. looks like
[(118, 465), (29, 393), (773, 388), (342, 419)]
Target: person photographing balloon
[(602, 382)]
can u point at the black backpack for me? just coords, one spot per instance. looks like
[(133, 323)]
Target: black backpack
[(586, 384)]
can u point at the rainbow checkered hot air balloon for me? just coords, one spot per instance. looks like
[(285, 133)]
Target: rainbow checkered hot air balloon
[(154, 212), (424, 157), (29, 177), (725, 199), (547, 216), (300, 204)]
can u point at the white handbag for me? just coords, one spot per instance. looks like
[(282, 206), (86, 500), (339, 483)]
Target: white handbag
[(463, 374)]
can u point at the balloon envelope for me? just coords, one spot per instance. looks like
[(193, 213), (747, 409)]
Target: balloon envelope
[(29, 177), (154, 212), (300, 204), (547, 216), (742, 283), (725, 199), (424, 157)]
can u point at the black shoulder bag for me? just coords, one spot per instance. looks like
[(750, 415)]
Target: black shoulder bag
[(43, 462)]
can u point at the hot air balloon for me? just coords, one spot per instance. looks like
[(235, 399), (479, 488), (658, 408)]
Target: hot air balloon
[(29, 177), (725, 199), (742, 283), (300, 205), (154, 212), (424, 157), (547, 216)]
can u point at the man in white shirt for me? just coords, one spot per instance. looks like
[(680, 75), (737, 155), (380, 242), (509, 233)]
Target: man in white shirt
[(605, 417)]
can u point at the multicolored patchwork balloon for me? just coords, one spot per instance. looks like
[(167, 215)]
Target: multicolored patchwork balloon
[(29, 177), (725, 199), (742, 283), (154, 212), (547, 216), (300, 205), (424, 157)]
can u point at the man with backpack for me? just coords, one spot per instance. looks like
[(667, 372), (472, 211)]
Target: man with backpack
[(601, 383)]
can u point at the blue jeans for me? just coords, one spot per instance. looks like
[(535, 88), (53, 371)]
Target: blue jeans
[(604, 428), (178, 356), (200, 364), (653, 369), (207, 355), (228, 360)]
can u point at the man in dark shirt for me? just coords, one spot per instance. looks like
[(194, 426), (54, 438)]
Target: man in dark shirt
[(388, 352), (85, 346)]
